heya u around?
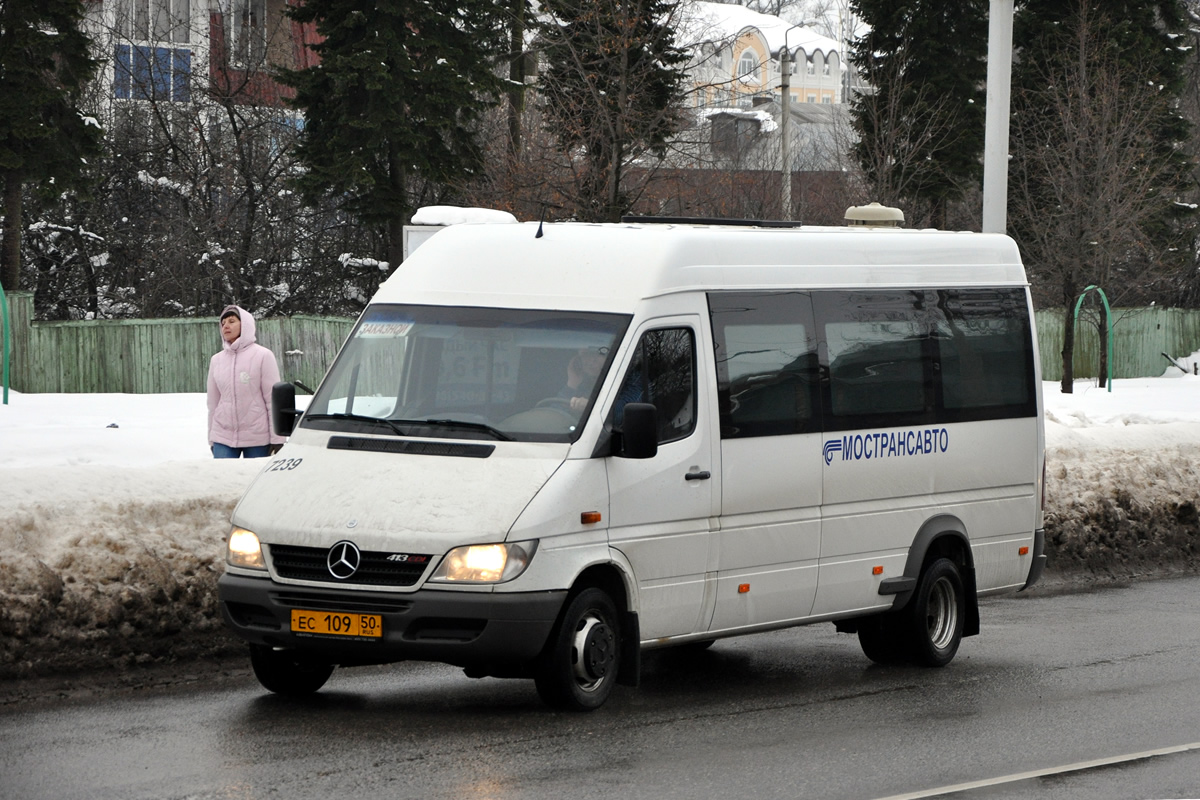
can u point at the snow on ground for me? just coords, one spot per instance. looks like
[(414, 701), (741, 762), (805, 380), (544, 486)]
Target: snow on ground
[(112, 513)]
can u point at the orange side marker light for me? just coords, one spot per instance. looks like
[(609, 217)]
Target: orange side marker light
[(1023, 551), (589, 517), (876, 570), (743, 588)]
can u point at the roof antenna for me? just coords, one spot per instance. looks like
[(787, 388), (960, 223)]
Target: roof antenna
[(541, 219)]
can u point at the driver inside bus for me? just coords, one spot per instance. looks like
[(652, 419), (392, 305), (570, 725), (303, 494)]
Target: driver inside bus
[(582, 372)]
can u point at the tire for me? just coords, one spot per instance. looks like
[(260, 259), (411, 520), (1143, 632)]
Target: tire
[(282, 672), (579, 667), (881, 639), (935, 615)]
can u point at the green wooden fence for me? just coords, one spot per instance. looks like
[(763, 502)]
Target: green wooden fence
[(1140, 337), (171, 355), (143, 356)]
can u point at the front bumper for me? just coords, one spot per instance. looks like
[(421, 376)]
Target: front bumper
[(488, 633)]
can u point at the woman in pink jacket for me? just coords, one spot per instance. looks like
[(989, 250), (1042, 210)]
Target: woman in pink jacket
[(240, 378)]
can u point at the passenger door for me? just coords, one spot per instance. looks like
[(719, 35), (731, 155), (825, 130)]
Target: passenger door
[(768, 394), (663, 508), (881, 473)]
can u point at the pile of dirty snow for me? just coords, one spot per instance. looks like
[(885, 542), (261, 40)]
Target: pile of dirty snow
[(1123, 478)]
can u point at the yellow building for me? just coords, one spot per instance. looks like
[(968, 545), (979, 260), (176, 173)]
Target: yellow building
[(736, 57)]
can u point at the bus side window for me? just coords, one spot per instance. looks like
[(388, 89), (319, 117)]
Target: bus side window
[(767, 369)]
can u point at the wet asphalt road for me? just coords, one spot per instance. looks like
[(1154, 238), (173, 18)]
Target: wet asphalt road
[(1051, 682)]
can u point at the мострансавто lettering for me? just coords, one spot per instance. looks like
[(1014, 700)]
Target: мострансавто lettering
[(860, 446)]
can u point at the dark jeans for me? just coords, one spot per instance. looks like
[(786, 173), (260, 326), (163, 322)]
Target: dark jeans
[(225, 451)]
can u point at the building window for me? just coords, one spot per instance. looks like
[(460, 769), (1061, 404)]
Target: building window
[(810, 67), (825, 68), (247, 31), (812, 98), (141, 72), (154, 20), (748, 67), (827, 100), (150, 64)]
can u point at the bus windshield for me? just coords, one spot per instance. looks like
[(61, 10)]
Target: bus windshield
[(468, 373)]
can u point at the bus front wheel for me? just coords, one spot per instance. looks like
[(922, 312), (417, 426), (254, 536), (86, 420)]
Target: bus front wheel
[(281, 672), (579, 667)]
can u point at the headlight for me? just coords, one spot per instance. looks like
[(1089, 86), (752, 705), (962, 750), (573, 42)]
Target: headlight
[(485, 563), (244, 550)]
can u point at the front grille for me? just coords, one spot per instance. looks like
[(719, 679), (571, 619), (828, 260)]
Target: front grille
[(309, 564), (342, 603)]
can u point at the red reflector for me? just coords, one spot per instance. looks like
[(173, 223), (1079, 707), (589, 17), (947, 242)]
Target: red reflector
[(1024, 551), (876, 570), (743, 588), (589, 517)]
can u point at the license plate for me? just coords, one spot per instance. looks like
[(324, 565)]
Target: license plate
[(331, 623)]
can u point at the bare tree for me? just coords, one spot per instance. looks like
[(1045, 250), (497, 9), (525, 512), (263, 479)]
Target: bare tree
[(1088, 180), (192, 205)]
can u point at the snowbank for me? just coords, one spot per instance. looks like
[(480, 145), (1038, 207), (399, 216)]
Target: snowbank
[(113, 514), (1123, 478)]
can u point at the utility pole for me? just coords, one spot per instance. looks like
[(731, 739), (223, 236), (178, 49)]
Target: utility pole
[(785, 145), (995, 136)]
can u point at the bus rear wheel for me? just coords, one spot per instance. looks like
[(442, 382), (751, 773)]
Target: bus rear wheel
[(935, 615)]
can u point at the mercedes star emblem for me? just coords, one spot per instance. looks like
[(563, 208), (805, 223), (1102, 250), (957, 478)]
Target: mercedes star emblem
[(343, 560)]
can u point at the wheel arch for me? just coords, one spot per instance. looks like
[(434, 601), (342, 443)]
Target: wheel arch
[(943, 536), (608, 577), (616, 580)]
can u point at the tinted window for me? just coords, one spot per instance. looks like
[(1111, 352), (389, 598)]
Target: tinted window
[(887, 359), (983, 344), (767, 371), (663, 372), (880, 358)]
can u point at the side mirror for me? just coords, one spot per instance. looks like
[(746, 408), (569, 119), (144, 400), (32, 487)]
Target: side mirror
[(639, 431), (283, 408)]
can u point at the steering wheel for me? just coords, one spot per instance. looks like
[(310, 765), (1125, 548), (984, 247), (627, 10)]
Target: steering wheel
[(557, 403), (562, 405)]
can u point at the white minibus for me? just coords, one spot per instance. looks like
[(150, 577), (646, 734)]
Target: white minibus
[(543, 450)]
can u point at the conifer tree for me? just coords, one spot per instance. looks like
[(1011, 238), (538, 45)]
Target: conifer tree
[(394, 100), (921, 126), (45, 63), (612, 92)]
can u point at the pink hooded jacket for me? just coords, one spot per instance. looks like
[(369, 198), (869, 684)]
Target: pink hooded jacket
[(240, 378)]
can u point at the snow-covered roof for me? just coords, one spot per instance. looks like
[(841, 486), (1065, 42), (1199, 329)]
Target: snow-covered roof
[(766, 122), (458, 215), (721, 23)]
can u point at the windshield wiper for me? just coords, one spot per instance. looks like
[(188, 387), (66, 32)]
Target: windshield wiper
[(361, 418), (395, 424), (460, 423)]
